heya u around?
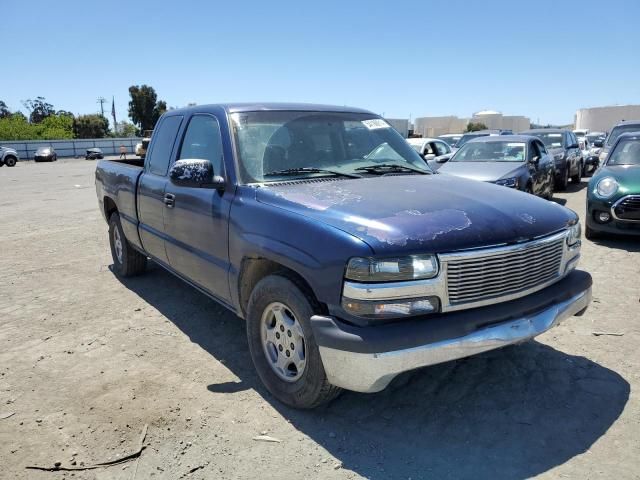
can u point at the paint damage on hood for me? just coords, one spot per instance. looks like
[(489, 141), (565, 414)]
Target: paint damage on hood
[(422, 213)]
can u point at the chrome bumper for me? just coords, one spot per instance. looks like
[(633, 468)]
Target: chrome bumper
[(372, 372)]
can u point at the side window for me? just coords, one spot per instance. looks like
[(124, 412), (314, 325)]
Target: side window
[(164, 137), (541, 148), (203, 141), (534, 150), (442, 148)]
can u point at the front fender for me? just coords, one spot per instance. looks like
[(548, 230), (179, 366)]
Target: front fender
[(314, 250)]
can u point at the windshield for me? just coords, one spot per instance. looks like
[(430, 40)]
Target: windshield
[(491, 152), (594, 138), (452, 141), (43, 150), (551, 140), (579, 134), (469, 136), (627, 152), (619, 130), (269, 142)]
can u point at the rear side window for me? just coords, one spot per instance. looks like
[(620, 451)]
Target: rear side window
[(203, 141), (441, 148), (164, 137)]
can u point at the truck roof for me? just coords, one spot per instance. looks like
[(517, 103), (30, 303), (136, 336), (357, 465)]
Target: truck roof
[(270, 106)]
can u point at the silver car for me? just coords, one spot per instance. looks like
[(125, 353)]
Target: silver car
[(8, 157)]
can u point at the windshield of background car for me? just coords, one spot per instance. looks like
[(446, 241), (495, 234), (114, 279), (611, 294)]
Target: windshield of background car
[(626, 152), (594, 138), (272, 141), (450, 140), (465, 138), (619, 130), (491, 152), (551, 140), (43, 151)]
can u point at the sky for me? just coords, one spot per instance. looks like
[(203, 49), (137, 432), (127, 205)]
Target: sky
[(542, 59)]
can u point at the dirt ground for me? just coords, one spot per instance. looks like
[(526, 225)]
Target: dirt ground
[(87, 360)]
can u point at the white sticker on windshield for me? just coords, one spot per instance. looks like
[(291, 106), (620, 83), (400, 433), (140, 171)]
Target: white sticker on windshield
[(375, 123)]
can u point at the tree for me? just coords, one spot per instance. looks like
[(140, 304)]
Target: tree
[(39, 109), (16, 127), (90, 126), (474, 127), (4, 110), (144, 107), (125, 129)]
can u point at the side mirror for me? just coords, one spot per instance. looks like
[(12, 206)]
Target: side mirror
[(429, 156), (598, 143), (195, 173), (535, 160), (443, 158)]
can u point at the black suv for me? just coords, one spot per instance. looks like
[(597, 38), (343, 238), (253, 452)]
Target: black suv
[(563, 145)]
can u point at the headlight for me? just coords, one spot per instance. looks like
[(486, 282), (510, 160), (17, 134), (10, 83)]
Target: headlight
[(606, 187), (573, 236), (392, 269), (508, 182)]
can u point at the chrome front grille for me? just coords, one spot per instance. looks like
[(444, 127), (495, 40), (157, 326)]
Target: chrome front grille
[(503, 273), (628, 208)]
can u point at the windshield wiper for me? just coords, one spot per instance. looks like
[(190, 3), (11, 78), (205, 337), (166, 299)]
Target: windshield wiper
[(383, 168), (295, 171)]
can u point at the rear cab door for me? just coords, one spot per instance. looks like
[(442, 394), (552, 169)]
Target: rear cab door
[(151, 198)]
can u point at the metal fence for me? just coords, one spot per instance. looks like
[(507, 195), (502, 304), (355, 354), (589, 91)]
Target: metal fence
[(73, 148)]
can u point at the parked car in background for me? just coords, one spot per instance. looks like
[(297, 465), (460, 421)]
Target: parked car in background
[(563, 145), (592, 155), (94, 154), (8, 157), (45, 154), (514, 161), (348, 259), (451, 138), (622, 127), (613, 196), (141, 147), (434, 151), (581, 136), (480, 133)]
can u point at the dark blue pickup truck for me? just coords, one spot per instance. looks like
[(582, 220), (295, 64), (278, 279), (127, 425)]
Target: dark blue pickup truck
[(349, 259)]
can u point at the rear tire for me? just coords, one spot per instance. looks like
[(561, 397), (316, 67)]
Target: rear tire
[(10, 161), (127, 261), (278, 307)]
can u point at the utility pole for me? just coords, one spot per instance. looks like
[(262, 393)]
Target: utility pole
[(101, 101)]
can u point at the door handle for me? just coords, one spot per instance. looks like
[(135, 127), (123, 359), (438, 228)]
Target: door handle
[(169, 200)]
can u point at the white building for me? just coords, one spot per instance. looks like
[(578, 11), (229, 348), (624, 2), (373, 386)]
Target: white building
[(602, 119), (400, 124), (434, 126), (498, 121)]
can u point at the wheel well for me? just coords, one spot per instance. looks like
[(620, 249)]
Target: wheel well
[(109, 207), (255, 269), (6, 157)]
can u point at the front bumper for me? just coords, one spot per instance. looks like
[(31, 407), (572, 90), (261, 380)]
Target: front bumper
[(366, 359), (615, 226)]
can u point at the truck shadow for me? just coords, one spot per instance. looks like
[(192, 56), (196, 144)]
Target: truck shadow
[(508, 414)]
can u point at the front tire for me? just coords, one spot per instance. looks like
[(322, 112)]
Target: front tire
[(577, 178), (282, 345), (564, 182), (10, 161), (127, 261)]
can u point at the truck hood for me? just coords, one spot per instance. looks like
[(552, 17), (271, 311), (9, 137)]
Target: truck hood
[(420, 213), (483, 171)]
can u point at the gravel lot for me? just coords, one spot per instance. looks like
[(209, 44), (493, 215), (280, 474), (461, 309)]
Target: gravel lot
[(87, 360)]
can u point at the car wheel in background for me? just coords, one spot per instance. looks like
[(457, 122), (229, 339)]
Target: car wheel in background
[(10, 161), (564, 182), (127, 261), (282, 345), (577, 178)]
